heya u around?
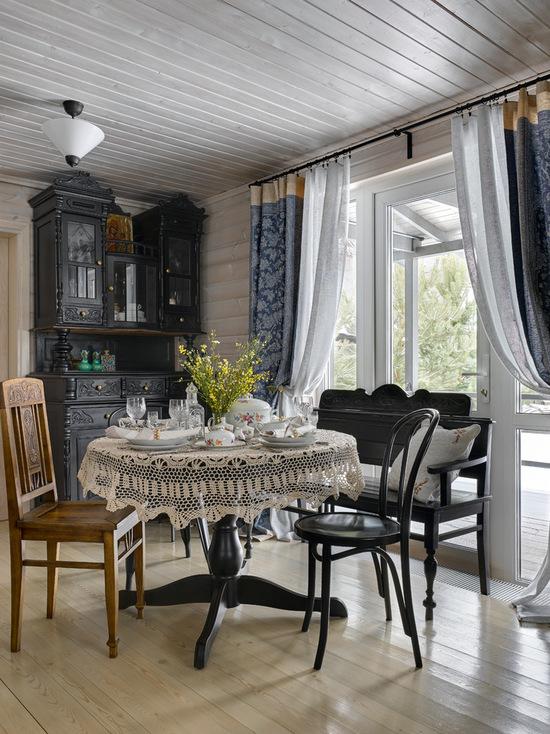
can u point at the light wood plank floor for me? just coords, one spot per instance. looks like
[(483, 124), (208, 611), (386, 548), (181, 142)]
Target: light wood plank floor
[(482, 671)]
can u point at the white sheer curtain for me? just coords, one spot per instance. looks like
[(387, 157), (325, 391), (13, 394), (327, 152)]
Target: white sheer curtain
[(323, 254), (482, 186)]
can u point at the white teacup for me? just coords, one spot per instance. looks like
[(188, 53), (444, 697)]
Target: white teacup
[(219, 437), (245, 433)]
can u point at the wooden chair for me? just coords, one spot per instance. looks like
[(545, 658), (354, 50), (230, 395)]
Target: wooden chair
[(359, 532), (36, 514)]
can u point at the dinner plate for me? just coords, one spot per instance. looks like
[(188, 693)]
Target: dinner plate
[(202, 445), (288, 441), (151, 443)]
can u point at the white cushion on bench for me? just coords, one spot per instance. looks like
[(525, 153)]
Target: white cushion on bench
[(446, 446)]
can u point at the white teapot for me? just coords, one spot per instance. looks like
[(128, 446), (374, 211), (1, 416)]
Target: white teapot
[(249, 411)]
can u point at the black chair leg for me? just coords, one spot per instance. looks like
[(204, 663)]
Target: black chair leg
[(325, 606), (483, 550), (386, 588), (311, 570), (186, 537), (430, 570), (248, 542), (130, 565), (204, 535), (381, 569), (409, 608)]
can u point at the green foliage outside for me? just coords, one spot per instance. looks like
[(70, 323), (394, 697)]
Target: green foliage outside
[(446, 324), (345, 350), (446, 328)]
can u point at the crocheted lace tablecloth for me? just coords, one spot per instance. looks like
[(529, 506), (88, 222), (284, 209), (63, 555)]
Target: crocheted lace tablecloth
[(211, 483)]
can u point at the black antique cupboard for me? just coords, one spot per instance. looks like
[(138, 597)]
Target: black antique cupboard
[(128, 297)]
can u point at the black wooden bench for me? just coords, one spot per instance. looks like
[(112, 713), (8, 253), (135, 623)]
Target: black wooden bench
[(370, 417)]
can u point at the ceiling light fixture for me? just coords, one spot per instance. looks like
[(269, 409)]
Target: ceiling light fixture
[(74, 137)]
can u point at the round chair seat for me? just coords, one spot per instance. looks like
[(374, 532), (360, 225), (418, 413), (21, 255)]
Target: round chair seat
[(348, 529)]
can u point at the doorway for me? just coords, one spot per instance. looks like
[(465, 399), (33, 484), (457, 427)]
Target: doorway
[(15, 307)]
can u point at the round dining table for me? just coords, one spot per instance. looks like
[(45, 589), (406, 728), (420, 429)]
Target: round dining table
[(219, 485)]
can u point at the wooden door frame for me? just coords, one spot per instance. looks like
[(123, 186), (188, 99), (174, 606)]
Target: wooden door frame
[(20, 293)]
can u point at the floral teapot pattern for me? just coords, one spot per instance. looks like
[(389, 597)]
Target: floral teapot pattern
[(248, 411)]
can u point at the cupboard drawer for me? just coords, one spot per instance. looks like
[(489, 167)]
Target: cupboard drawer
[(91, 417), (146, 386), (99, 387)]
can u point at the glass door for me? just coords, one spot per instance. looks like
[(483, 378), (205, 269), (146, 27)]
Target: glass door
[(132, 292), (426, 332), (82, 276), (179, 281)]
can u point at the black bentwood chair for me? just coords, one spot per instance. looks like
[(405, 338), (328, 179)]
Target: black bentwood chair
[(360, 532)]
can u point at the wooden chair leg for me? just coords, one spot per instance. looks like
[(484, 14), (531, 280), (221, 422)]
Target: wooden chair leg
[(52, 554), (17, 589), (139, 555), (111, 591), (325, 606)]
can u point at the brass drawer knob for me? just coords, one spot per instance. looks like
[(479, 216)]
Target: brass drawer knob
[(182, 319), (83, 313), (107, 416), (111, 287), (146, 388), (167, 270), (99, 387), (99, 262)]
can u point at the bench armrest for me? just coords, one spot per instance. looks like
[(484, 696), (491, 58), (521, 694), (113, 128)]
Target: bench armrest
[(456, 465)]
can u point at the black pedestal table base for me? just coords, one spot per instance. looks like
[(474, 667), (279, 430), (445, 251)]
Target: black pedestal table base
[(224, 588)]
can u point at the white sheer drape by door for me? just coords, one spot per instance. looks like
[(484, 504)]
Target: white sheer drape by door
[(323, 254)]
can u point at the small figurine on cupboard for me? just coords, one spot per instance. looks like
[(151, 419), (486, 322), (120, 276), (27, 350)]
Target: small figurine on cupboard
[(84, 364)]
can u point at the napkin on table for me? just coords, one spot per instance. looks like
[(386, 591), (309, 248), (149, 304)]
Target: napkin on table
[(293, 429), (147, 433)]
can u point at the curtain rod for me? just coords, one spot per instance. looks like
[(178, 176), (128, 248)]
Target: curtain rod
[(405, 130)]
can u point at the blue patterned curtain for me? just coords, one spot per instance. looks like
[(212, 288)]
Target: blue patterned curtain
[(527, 140), (276, 230)]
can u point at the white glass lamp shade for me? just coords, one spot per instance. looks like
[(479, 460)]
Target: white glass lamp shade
[(73, 137)]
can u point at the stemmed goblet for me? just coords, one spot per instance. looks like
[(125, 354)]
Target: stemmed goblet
[(177, 410), (135, 407)]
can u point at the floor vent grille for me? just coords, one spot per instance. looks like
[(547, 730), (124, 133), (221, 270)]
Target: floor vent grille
[(503, 590)]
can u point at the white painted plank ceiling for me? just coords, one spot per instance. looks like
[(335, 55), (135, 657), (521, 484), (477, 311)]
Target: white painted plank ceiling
[(201, 96)]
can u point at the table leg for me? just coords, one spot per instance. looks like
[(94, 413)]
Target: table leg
[(216, 613), (255, 590), (225, 587)]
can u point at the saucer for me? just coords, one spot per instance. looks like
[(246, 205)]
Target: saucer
[(160, 444), (288, 441), (237, 445)]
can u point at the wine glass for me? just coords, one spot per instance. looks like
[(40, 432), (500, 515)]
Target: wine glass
[(135, 407), (304, 406), (177, 410)]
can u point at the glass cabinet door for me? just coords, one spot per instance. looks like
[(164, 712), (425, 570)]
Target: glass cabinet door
[(82, 244), (133, 292), (179, 279)]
